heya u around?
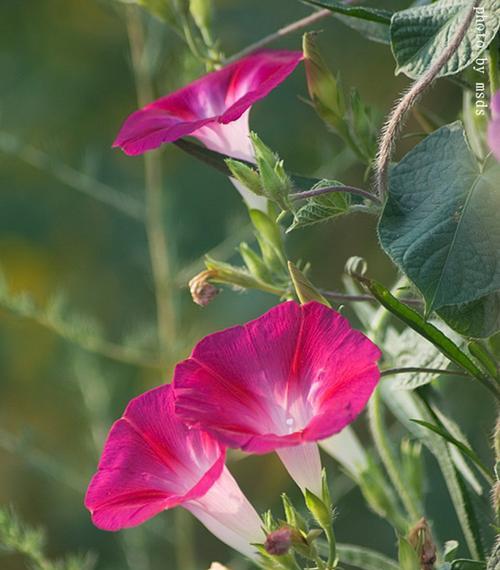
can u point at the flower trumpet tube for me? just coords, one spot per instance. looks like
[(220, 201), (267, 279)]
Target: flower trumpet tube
[(152, 462), (296, 375), (214, 109)]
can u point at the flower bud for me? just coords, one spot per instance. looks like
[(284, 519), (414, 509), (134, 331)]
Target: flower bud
[(217, 566), (279, 541), (420, 537), (202, 291)]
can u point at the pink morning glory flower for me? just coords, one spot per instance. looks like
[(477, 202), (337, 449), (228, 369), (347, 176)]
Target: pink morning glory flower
[(152, 462), (494, 126), (214, 109), (296, 375)]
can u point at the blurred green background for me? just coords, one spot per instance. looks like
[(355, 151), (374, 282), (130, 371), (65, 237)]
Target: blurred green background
[(65, 87)]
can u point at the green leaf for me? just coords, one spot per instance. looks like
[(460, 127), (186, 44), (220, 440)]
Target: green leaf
[(365, 558), (374, 31), (450, 550), (467, 565), (482, 355), (404, 405), (440, 223), (408, 559), (478, 319), (442, 432), (321, 208), (305, 289), (419, 35), (361, 12), (424, 328)]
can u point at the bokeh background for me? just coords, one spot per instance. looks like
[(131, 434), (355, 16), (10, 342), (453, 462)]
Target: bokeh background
[(65, 87)]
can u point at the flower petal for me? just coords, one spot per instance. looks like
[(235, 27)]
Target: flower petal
[(219, 97), (296, 374), (150, 462)]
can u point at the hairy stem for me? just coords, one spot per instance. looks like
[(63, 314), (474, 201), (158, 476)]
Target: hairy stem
[(397, 117), (284, 31), (331, 189), (384, 448), (411, 369)]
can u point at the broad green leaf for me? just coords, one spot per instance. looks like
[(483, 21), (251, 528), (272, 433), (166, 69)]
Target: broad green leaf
[(408, 559), (422, 327), (478, 319), (304, 288), (374, 31), (440, 222), (364, 558), (361, 12), (420, 34), (321, 208)]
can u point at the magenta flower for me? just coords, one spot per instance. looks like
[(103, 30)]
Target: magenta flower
[(213, 109), (494, 126), (152, 462), (296, 375)]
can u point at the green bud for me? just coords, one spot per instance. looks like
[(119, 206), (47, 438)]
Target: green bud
[(270, 240), (304, 288), (324, 88), (322, 513), (254, 263), (202, 12), (413, 466), (292, 516), (245, 174), (274, 180)]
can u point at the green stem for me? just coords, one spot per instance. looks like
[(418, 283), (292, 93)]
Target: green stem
[(332, 552), (155, 227), (390, 462), (159, 252)]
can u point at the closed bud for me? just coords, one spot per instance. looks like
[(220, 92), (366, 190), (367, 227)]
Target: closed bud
[(202, 291), (279, 541), (245, 174), (273, 178), (217, 566), (420, 537), (324, 89), (201, 11)]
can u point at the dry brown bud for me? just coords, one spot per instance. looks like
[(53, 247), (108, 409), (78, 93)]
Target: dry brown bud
[(202, 291), (420, 537)]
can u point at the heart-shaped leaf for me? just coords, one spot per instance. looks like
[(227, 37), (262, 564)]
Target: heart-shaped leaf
[(420, 34), (440, 223)]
